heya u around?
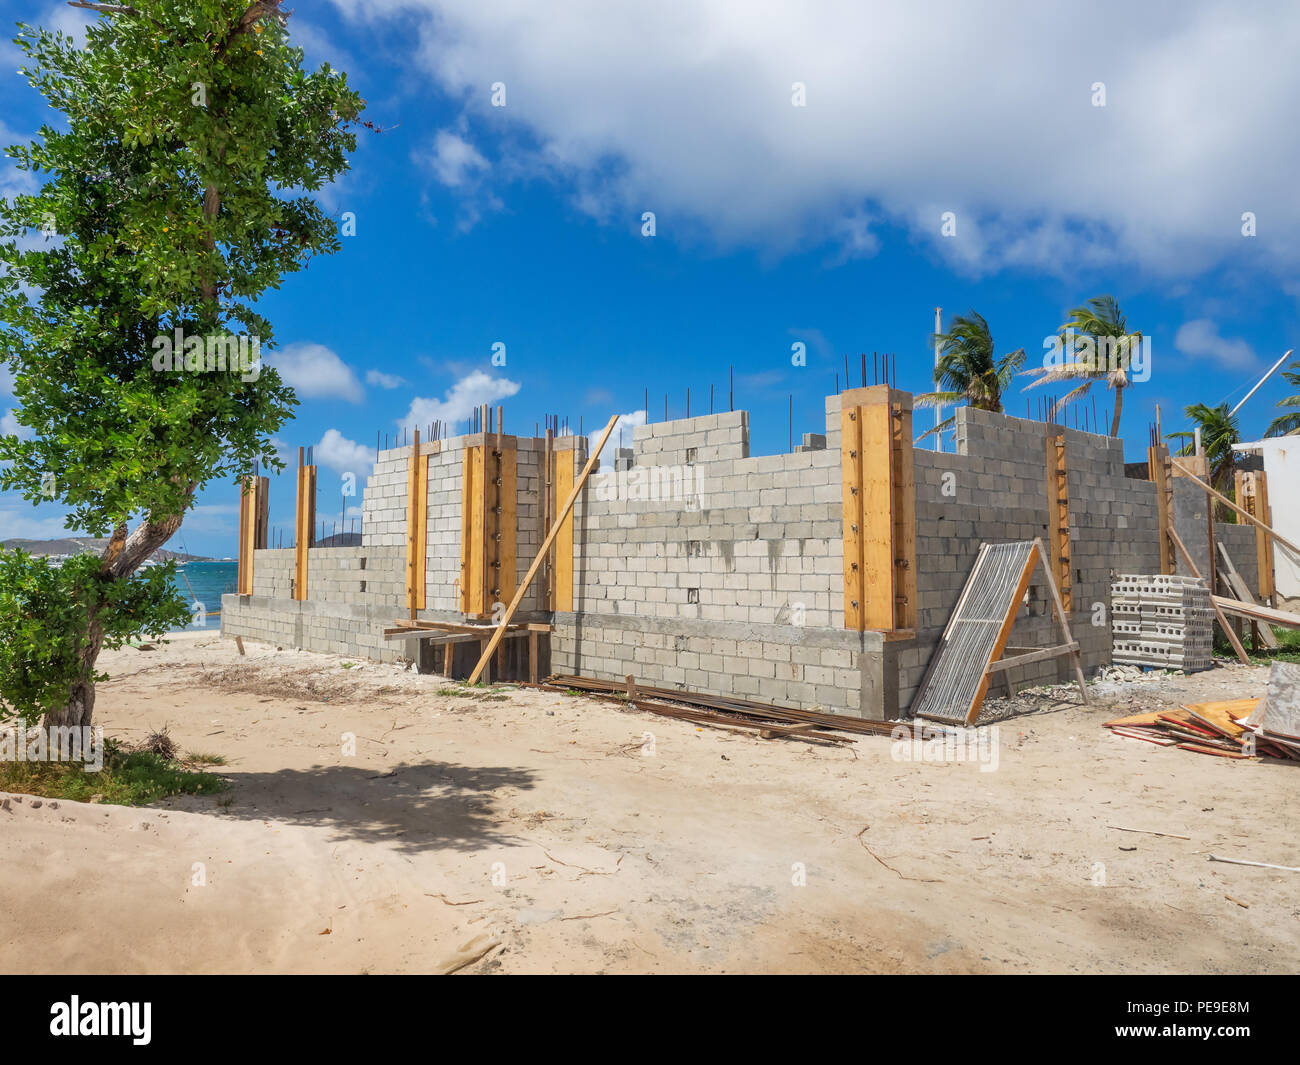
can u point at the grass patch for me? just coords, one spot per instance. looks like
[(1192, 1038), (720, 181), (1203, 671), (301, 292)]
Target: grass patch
[(128, 778), (204, 758), (1288, 649)]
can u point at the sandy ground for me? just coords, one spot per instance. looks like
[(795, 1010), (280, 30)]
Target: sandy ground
[(561, 834)]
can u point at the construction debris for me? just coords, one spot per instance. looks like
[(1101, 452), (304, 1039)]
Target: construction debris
[(1218, 728), (769, 721)]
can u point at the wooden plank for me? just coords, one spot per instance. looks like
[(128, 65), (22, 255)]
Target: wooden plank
[(851, 510), (1158, 467), (473, 548), (1252, 494), (1239, 589), (1236, 509), (417, 512), (563, 549), (1257, 612), (241, 579), (304, 526), (534, 643), (1034, 656), (877, 517), (570, 500), (1058, 516), (507, 573), (1228, 630), (904, 509), (467, 496)]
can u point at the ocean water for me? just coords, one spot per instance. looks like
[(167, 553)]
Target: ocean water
[(204, 583)]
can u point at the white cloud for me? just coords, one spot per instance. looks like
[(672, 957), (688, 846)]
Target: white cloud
[(18, 522), (454, 159), (6, 380), (459, 401), (978, 109), (620, 437), (313, 370), (1200, 339), (342, 455), (384, 380)]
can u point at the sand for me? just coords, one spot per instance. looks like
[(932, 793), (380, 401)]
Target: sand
[(542, 832)]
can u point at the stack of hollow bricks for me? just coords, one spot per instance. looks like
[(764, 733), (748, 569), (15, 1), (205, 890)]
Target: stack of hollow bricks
[(705, 568)]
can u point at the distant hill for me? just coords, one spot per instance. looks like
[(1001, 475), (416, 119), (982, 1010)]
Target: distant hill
[(87, 545)]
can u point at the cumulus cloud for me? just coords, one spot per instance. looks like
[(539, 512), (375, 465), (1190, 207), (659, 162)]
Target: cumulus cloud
[(687, 110), (1200, 339), (313, 370), (384, 380), (19, 521), (454, 159), (459, 401), (336, 452)]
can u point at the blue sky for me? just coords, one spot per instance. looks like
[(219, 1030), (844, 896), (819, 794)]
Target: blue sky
[(775, 223)]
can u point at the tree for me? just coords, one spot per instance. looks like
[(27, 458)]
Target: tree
[(969, 369), (176, 194), (1104, 350), (1288, 424), (1219, 431)]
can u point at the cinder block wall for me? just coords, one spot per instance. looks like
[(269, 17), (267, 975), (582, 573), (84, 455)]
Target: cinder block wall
[(703, 567)]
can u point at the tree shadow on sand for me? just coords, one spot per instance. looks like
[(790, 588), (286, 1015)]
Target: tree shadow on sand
[(426, 806)]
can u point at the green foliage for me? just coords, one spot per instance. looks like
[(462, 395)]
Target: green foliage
[(175, 193), (45, 623), (169, 214), (127, 778), (1101, 319), (969, 367), (1219, 431), (1288, 424)]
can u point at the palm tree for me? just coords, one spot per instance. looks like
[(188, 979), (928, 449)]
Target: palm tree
[(1219, 431), (1288, 424), (969, 369), (1115, 347)]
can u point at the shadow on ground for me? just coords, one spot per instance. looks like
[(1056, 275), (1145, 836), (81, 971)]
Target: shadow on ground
[(431, 805)]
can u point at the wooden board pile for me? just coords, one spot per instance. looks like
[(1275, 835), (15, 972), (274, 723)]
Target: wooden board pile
[(1234, 728)]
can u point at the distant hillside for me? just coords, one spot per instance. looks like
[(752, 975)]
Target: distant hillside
[(87, 545)]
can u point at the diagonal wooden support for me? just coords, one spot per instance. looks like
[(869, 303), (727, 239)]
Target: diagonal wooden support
[(499, 630), (1228, 630)]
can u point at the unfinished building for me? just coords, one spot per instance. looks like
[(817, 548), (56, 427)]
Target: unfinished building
[(822, 578)]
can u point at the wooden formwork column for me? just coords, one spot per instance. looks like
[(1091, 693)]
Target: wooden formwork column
[(253, 513), (489, 508), (1252, 497), (562, 566), (304, 524), (417, 520), (1058, 516), (879, 509), (1160, 472)]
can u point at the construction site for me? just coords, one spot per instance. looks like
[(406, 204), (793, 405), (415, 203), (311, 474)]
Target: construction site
[(856, 577)]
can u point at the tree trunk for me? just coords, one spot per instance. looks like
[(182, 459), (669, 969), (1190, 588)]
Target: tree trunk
[(80, 707), (1119, 407), (121, 558)]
